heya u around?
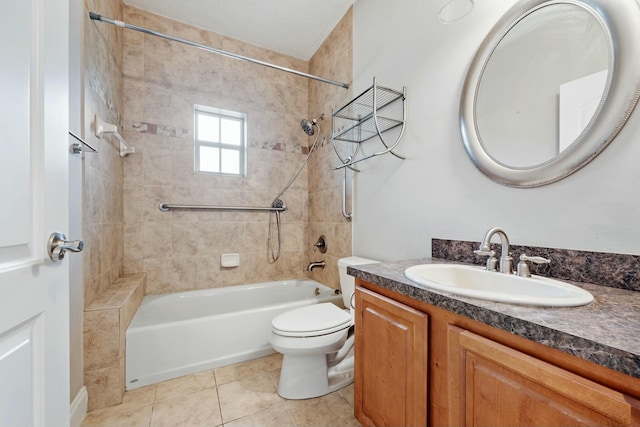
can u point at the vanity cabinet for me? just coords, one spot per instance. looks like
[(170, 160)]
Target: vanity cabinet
[(494, 385), (473, 374), (391, 363)]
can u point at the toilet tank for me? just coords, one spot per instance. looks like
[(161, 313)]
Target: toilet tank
[(347, 283)]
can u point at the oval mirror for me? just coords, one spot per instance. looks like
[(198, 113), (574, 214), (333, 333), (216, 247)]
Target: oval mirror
[(550, 86)]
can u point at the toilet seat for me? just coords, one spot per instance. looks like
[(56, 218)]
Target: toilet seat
[(311, 321)]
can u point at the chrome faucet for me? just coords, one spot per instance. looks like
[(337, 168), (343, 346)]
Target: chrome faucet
[(312, 265), (506, 262)]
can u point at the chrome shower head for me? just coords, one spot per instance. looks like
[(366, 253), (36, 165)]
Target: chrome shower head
[(307, 126)]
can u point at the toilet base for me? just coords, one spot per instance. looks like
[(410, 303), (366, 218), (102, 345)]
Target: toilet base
[(305, 377)]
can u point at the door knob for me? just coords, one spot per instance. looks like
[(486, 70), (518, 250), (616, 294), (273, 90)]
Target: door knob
[(58, 246)]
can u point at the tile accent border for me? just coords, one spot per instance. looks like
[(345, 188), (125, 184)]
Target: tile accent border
[(173, 132), (156, 129), (605, 269)]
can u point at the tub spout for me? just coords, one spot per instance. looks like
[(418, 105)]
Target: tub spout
[(313, 265)]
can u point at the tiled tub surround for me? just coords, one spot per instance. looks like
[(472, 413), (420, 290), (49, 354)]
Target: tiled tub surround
[(109, 300), (604, 332), (333, 58), (162, 81), (180, 250), (105, 325), (103, 181)]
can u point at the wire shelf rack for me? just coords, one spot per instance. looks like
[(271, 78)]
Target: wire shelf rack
[(359, 121)]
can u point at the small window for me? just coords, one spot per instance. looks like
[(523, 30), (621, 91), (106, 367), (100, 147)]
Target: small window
[(220, 141)]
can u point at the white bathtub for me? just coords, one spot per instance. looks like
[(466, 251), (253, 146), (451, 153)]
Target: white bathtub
[(177, 334)]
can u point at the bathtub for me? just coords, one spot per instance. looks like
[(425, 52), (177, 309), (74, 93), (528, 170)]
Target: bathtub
[(177, 334)]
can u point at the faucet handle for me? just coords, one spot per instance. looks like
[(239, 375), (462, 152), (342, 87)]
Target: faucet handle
[(483, 251), (492, 261), (523, 266)]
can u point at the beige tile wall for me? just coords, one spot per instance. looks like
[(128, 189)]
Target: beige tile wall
[(102, 206), (333, 60), (162, 82), (103, 183)]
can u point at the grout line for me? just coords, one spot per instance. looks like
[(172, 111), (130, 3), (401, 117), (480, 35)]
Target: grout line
[(153, 404), (153, 407), (293, 421), (155, 393), (219, 405), (284, 401)]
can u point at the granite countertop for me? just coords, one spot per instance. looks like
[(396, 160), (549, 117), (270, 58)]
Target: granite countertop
[(606, 332)]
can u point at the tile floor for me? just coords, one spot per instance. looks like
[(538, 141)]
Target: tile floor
[(240, 395)]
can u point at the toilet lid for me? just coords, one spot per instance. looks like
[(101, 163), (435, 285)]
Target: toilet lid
[(311, 320)]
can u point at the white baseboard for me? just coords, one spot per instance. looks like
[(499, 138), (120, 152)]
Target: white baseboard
[(79, 407)]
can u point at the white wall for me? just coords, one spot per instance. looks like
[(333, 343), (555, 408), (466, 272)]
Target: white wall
[(400, 205)]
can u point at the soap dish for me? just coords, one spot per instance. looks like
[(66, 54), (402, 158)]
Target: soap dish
[(230, 260)]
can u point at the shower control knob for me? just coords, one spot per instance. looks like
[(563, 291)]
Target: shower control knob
[(321, 245)]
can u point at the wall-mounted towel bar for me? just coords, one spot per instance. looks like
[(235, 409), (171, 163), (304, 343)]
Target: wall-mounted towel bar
[(165, 207), (101, 128), (77, 147)]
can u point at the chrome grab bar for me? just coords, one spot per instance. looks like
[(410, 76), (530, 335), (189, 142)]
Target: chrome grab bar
[(165, 207), (348, 215)]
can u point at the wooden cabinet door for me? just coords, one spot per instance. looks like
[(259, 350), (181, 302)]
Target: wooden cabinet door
[(390, 362), (494, 385)]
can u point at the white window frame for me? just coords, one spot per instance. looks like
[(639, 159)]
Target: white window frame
[(242, 148)]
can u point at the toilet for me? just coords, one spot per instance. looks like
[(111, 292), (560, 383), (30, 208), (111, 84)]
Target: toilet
[(317, 343)]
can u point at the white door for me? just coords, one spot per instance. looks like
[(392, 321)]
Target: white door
[(34, 156), (579, 100)]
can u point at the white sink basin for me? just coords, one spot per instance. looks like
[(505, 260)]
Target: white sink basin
[(476, 282)]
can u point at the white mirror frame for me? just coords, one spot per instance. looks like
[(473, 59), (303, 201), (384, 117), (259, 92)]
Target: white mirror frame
[(620, 19)]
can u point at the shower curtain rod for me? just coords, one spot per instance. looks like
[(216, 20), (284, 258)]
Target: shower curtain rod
[(96, 17)]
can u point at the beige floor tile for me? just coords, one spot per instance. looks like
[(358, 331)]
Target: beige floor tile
[(274, 374), (199, 409), (140, 396), (131, 403), (184, 385), (276, 416), (273, 362), (329, 410), (227, 374), (247, 396), (347, 393), (131, 417)]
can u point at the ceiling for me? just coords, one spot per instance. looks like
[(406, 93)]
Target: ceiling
[(292, 27)]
